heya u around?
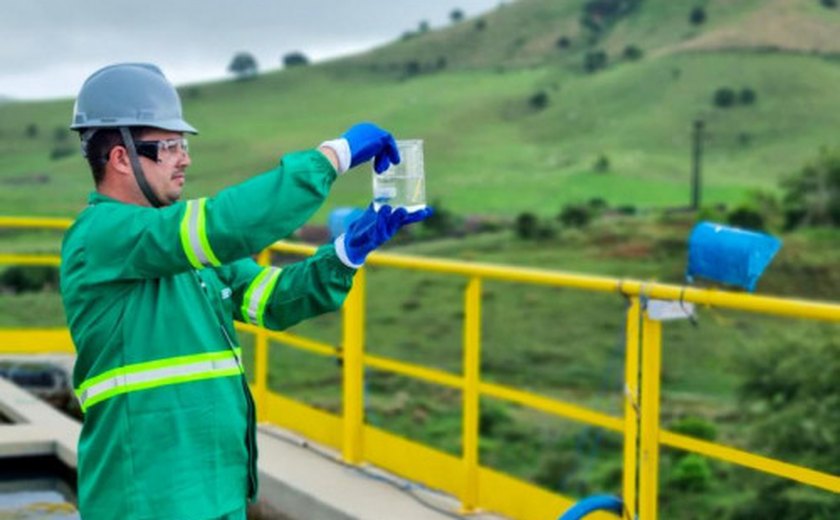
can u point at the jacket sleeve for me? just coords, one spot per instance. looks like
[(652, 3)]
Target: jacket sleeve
[(277, 298), (128, 242)]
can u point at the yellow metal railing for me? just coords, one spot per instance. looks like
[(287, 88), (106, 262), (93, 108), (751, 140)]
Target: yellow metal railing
[(476, 486)]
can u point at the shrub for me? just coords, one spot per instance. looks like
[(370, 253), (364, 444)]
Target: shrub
[(575, 215), (539, 100), (456, 15), (493, 417), (812, 197), (243, 66), (60, 134), (746, 218), (527, 226), (691, 473), (563, 42), (28, 279), (724, 97), (697, 16), (602, 164), (295, 59), (61, 151), (747, 96), (442, 222), (693, 426), (412, 68), (31, 130), (829, 4), (594, 61), (480, 25), (632, 53), (597, 204)]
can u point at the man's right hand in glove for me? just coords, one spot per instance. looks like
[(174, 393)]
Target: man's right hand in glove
[(361, 143)]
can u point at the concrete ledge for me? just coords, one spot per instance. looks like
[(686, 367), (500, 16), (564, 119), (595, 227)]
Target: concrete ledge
[(38, 428), (308, 481)]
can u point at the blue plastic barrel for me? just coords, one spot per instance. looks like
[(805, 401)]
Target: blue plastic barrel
[(340, 218), (729, 255)]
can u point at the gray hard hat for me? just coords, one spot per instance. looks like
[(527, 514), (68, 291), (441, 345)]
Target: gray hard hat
[(128, 95)]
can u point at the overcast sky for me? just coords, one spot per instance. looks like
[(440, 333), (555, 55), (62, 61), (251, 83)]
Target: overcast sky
[(49, 47)]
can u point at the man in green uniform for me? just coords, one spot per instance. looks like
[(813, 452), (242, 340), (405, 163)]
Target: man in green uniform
[(151, 286)]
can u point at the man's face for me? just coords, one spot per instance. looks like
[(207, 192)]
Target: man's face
[(166, 175)]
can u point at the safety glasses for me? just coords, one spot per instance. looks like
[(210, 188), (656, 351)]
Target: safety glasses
[(164, 148)]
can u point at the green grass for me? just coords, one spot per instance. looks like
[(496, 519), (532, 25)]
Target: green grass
[(487, 150), (557, 342)]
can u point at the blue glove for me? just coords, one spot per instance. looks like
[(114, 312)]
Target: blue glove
[(374, 228), (367, 141)]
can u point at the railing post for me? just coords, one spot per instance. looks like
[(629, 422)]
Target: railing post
[(649, 430), (470, 396), (261, 357), (353, 329), (631, 410)]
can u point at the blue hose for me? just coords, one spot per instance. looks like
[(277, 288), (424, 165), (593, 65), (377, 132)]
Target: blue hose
[(592, 504)]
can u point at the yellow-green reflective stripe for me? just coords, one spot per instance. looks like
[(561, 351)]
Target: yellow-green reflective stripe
[(257, 296), (194, 235), (249, 294), (185, 235), (159, 373), (269, 288), (164, 381), (159, 363), (202, 234)]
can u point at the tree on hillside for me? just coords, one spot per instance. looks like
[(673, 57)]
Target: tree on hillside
[(697, 16), (793, 399), (812, 198), (243, 66), (456, 15), (423, 27), (594, 61), (295, 59)]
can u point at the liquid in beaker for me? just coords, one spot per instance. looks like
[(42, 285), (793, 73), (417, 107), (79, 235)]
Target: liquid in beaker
[(402, 185)]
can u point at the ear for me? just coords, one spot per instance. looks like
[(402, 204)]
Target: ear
[(118, 161)]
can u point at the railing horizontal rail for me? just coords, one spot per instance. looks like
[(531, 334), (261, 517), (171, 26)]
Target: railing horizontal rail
[(750, 460), (552, 406), (35, 222), (415, 371), (29, 260), (293, 340), (745, 302)]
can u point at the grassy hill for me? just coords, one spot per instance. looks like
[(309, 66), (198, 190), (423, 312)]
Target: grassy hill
[(511, 119), (514, 122)]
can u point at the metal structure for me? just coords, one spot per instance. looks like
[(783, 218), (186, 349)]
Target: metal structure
[(478, 487)]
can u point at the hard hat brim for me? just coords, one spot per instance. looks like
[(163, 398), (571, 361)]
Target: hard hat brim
[(172, 125)]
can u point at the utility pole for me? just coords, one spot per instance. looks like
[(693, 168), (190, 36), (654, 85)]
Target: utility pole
[(697, 159)]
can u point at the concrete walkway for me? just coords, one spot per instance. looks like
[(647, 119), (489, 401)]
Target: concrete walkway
[(298, 478), (308, 482)]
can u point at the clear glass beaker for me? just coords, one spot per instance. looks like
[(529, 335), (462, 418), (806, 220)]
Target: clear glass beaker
[(402, 185)]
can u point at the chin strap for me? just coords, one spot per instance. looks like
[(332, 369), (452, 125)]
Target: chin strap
[(138, 170)]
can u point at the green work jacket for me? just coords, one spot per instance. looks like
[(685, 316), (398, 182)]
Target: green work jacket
[(150, 297)]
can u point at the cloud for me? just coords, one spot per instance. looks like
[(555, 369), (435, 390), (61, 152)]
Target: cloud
[(58, 43)]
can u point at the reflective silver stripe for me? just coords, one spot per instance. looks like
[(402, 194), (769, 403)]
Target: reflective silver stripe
[(122, 383), (256, 302), (194, 207)]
